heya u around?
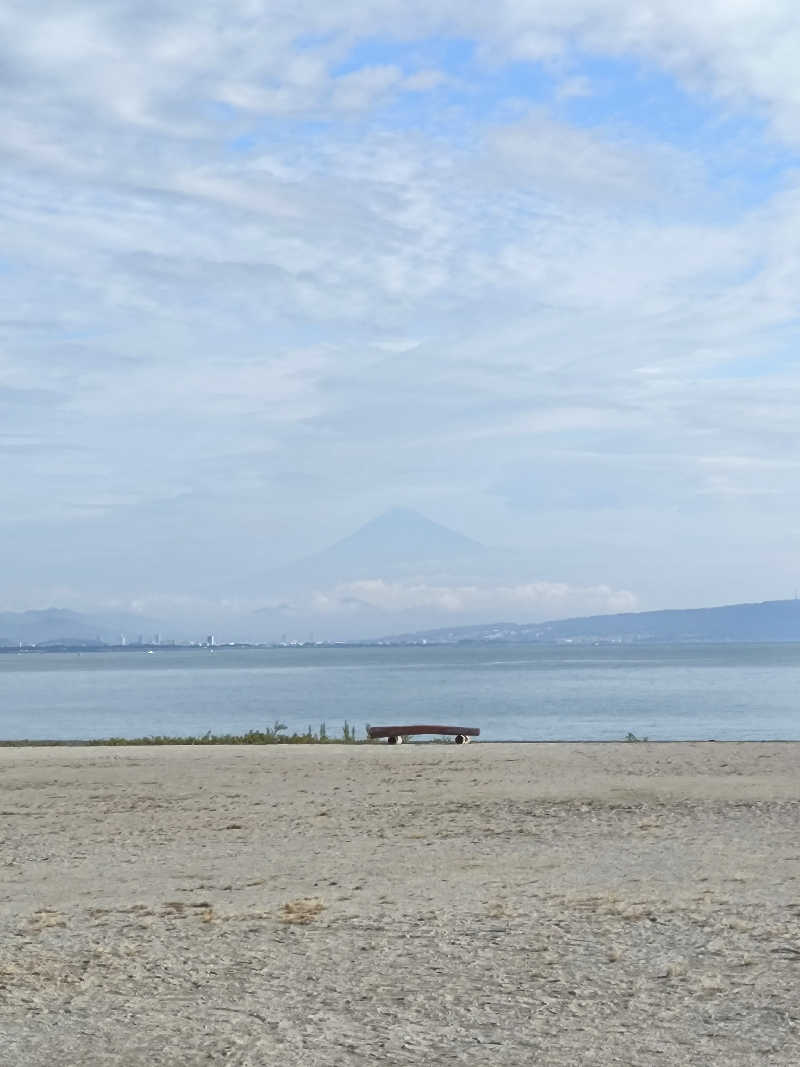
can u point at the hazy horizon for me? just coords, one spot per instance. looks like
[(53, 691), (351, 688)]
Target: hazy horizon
[(270, 272), (433, 579)]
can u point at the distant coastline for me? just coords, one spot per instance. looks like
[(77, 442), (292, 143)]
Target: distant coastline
[(768, 622), (771, 621), (97, 647)]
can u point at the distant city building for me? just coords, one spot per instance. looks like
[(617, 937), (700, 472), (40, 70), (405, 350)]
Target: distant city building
[(210, 640)]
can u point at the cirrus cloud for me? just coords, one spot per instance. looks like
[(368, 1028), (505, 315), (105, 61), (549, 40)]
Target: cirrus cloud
[(314, 261)]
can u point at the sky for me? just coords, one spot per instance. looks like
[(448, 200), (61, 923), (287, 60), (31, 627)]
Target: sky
[(269, 269)]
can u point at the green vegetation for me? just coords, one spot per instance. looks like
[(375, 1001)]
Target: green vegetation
[(274, 735), (632, 737)]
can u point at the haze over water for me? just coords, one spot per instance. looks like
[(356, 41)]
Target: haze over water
[(724, 692)]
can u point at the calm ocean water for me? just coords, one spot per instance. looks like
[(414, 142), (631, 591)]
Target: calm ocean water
[(730, 692)]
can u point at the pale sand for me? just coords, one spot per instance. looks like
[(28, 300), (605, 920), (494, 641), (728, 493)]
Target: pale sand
[(484, 904)]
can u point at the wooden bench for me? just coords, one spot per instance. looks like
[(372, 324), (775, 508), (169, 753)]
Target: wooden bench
[(395, 734)]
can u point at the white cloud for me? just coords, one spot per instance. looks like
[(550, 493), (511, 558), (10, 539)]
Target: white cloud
[(359, 90), (137, 61), (535, 601), (576, 86), (425, 80)]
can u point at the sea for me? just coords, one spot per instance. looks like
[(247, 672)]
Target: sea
[(522, 693)]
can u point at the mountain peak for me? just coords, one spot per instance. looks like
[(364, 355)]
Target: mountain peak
[(397, 542), (408, 532), (399, 515)]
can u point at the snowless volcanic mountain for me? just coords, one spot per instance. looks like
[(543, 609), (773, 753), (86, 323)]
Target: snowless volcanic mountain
[(402, 572), (398, 543), (377, 573)]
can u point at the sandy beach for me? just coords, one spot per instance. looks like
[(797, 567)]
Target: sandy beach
[(334, 905)]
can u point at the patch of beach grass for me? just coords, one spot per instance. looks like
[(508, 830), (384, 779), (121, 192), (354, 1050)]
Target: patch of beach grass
[(303, 911), (270, 735)]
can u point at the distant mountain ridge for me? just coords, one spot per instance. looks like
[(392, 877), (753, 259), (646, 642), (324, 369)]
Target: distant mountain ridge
[(60, 625), (771, 620)]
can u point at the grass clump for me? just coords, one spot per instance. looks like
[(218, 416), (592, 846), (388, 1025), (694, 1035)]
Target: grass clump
[(271, 735), (302, 912)]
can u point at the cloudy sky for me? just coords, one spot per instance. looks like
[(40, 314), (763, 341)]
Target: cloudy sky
[(268, 269)]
